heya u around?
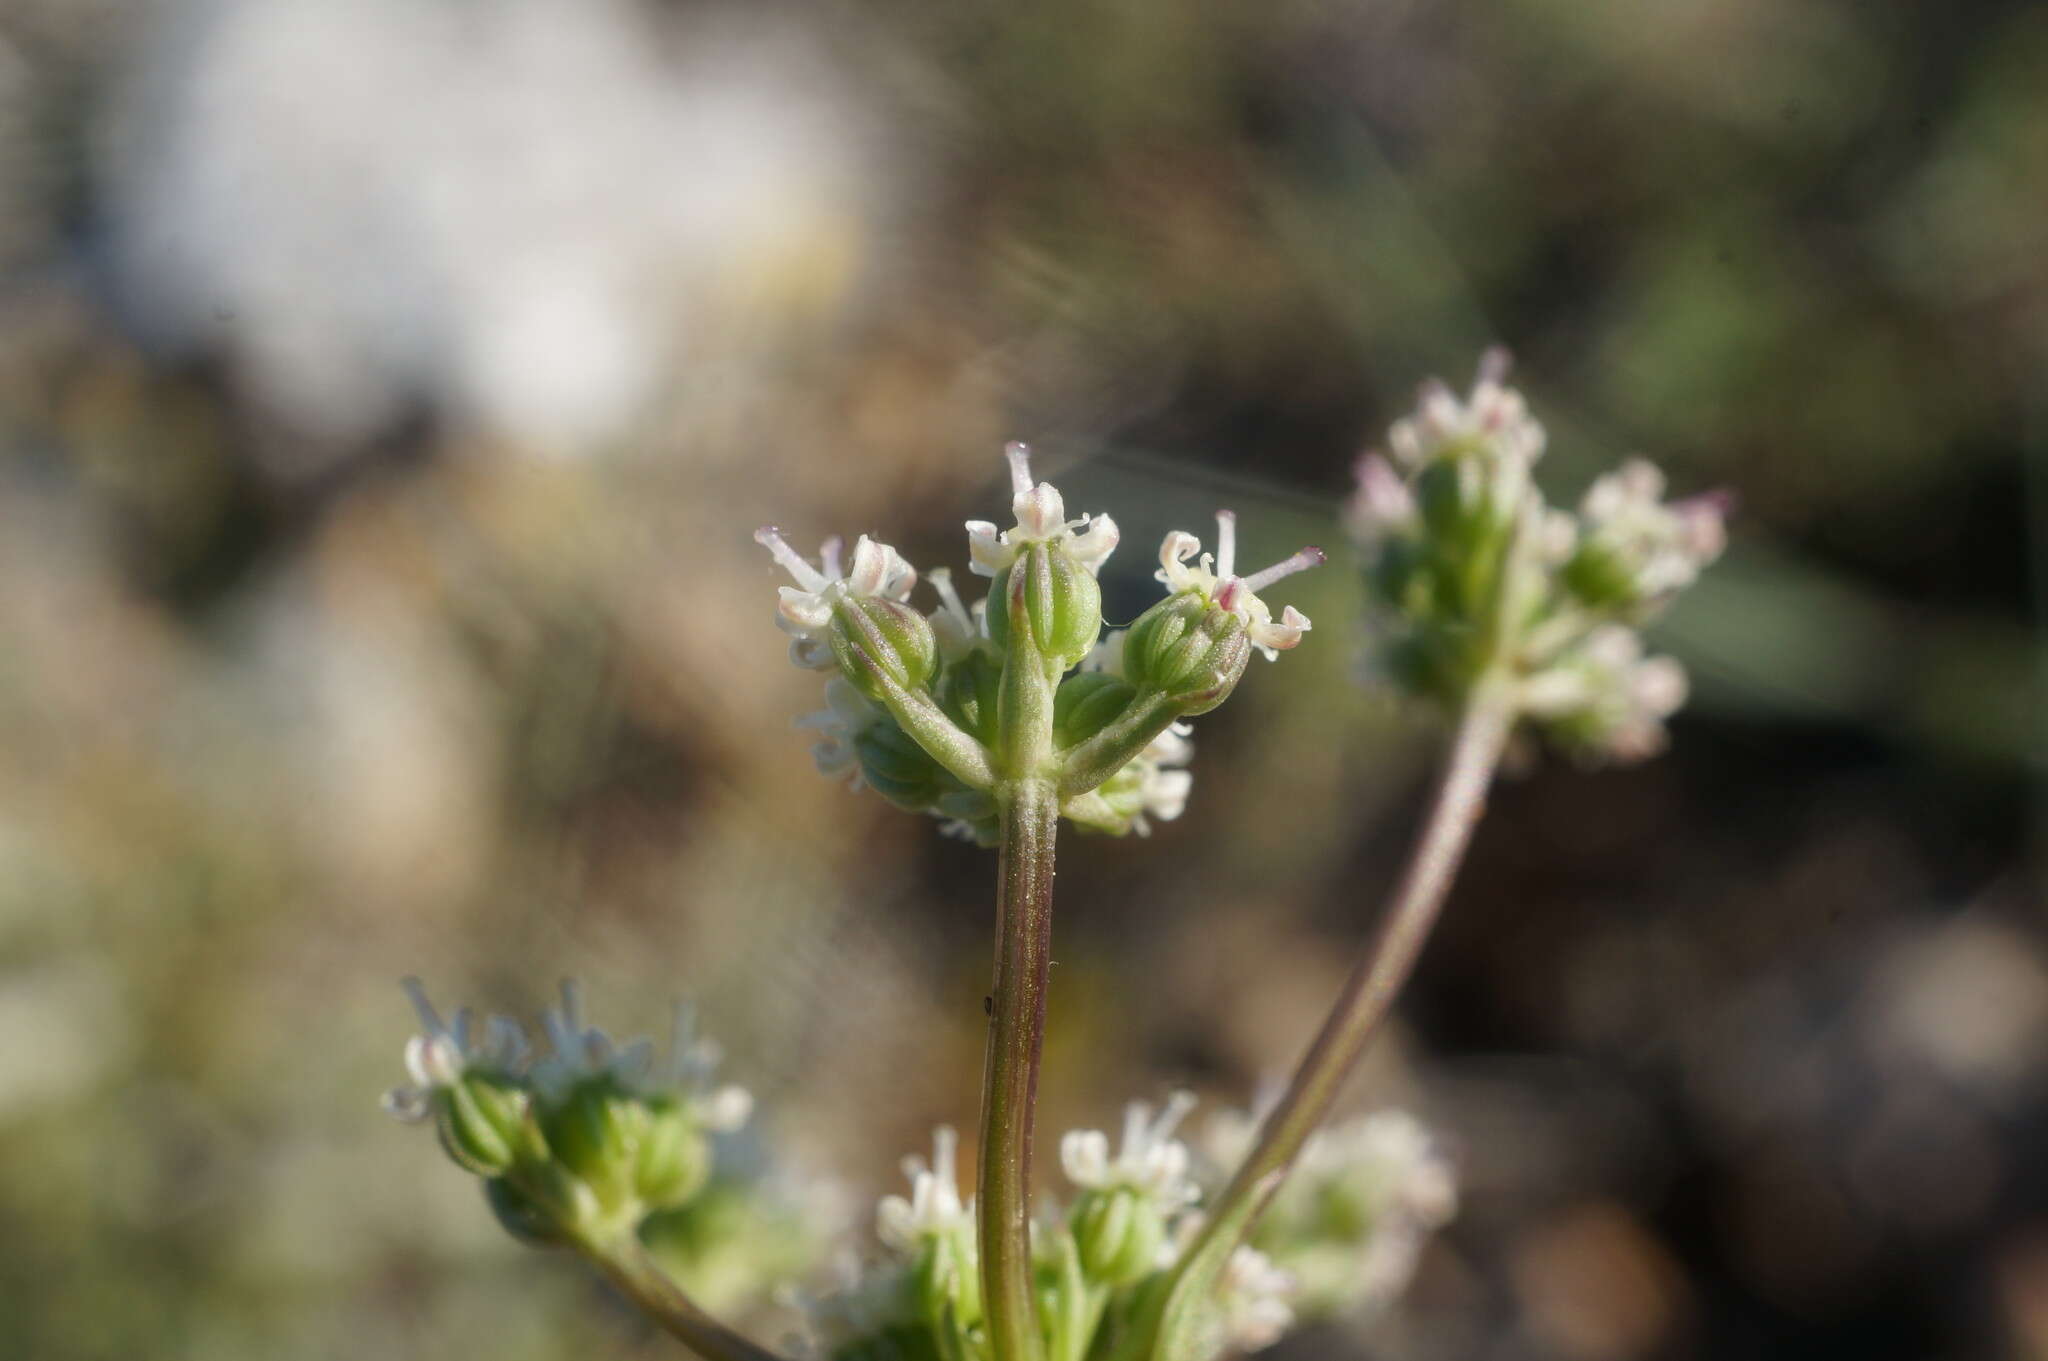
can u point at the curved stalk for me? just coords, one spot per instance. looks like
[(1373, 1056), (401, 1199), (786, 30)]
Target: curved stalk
[(1016, 1035), (1454, 810), (627, 1266)]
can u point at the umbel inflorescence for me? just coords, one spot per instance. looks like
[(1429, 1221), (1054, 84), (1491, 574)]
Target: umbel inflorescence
[(1476, 580), (1007, 716), (915, 700)]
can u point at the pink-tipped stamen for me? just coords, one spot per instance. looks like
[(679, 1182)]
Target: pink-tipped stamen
[(1495, 364), (1226, 542), (1300, 562), (807, 576), (1019, 454), (828, 553)]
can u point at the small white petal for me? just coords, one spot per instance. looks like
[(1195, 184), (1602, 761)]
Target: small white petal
[(728, 1109), (1093, 545), (1041, 512)]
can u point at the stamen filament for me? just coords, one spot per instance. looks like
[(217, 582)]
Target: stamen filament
[(1300, 562), (956, 609), (1226, 542), (1019, 454), (807, 576)]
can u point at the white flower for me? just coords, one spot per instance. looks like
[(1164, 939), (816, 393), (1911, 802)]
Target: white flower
[(1254, 1294), (1493, 419), (1041, 516), (1382, 506), (959, 627), (934, 1209), (846, 715), (440, 1054), (806, 608), (1606, 695), (1666, 543), (1108, 653), (1395, 1161), (1150, 1161), (1163, 784), (1214, 578)]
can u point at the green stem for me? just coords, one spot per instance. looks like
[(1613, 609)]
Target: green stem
[(1089, 763), (1030, 809), (626, 1265), (1455, 809)]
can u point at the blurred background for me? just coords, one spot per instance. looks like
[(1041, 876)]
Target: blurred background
[(388, 390)]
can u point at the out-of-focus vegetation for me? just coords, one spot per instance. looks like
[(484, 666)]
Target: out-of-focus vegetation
[(388, 390)]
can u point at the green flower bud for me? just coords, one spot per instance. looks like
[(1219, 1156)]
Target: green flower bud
[(595, 1134), (482, 1121), (945, 1283), (968, 690), (1188, 648), (674, 1155), (1635, 549), (900, 770), (1086, 703), (1120, 1233), (1052, 595), (522, 1217), (874, 638), (1599, 577)]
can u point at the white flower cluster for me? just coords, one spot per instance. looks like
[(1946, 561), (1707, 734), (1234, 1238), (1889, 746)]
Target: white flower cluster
[(934, 1208), (1493, 421), (1605, 698), (1350, 1222), (1665, 542), (1476, 579), (915, 712), (1256, 1297), (926, 1283), (1149, 1161), (593, 1139)]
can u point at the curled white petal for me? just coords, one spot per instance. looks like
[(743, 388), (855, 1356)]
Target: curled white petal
[(1092, 546)]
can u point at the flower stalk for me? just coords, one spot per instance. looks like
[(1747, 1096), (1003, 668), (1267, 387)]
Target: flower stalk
[(1455, 807), (1016, 1037), (627, 1265)]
